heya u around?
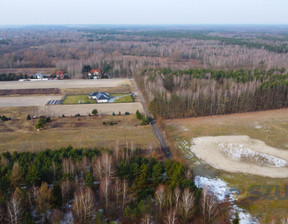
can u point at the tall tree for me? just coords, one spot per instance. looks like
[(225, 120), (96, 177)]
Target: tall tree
[(84, 205), (15, 208)]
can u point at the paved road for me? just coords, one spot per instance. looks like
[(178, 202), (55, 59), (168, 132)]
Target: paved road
[(154, 124)]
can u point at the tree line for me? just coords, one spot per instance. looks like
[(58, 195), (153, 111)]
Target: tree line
[(204, 92), (99, 186)]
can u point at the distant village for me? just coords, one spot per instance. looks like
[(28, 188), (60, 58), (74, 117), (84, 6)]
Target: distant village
[(60, 75)]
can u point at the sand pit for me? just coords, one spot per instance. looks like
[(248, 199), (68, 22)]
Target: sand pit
[(242, 154)]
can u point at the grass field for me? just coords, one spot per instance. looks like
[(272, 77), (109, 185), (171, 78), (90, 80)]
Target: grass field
[(83, 99), (77, 99), (85, 131), (268, 126), (120, 98)]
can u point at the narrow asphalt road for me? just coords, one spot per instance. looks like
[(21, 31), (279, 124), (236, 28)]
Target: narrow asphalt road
[(154, 124)]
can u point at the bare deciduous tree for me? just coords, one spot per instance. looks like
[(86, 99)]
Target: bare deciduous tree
[(160, 196), (117, 189), (186, 206), (105, 190), (171, 217), (15, 208), (97, 168), (177, 194), (107, 164), (208, 205), (124, 189), (68, 166), (84, 205), (66, 190), (146, 219)]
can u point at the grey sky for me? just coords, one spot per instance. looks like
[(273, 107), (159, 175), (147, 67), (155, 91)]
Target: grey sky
[(18, 12)]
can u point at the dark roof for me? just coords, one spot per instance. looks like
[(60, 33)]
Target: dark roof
[(101, 95)]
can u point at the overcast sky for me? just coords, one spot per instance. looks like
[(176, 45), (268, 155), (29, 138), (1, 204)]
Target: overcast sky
[(22, 12)]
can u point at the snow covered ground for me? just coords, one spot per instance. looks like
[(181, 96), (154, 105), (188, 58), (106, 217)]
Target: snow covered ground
[(222, 192)]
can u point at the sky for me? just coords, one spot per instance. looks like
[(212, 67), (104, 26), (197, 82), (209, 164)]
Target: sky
[(160, 12)]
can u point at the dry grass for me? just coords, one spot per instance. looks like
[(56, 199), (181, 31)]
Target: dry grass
[(268, 126), (87, 131), (117, 89)]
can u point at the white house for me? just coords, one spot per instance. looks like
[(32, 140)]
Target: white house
[(101, 97)]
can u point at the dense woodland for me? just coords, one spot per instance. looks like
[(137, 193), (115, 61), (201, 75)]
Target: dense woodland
[(100, 186), (202, 92), (127, 50)]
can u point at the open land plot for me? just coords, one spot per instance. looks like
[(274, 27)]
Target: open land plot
[(271, 127), (80, 83), (77, 99), (85, 131), (103, 108), (24, 101)]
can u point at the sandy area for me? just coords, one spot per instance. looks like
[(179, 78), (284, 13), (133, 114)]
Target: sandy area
[(209, 149), (84, 109), (23, 101), (81, 83)]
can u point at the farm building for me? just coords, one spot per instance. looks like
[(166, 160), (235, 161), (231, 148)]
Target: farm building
[(95, 74), (101, 97), (60, 74)]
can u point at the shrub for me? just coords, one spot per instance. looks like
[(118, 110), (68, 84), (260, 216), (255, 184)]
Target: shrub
[(145, 120), (127, 113), (138, 115), (4, 118), (42, 121), (28, 117), (77, 115), (95, 112), (113, 114)]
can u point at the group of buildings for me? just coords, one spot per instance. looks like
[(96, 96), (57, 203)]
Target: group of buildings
[(56, 76)]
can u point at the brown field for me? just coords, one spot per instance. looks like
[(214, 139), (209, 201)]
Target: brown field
[(270, 127), (81, 83), (25, 101), (85, 131), (28, 92), (85, 109)]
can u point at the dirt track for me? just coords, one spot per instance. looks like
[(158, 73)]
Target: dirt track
[(207, 148), (64, 84)]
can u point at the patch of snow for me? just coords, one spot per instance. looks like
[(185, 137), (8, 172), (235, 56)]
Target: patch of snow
[(218, 187), (222, 191), (238, 152), (258, 126)]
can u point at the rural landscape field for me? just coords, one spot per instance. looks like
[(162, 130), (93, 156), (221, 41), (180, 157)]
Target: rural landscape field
[(144, 124)]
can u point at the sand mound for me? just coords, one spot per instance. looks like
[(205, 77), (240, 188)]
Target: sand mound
[(242, 154)]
